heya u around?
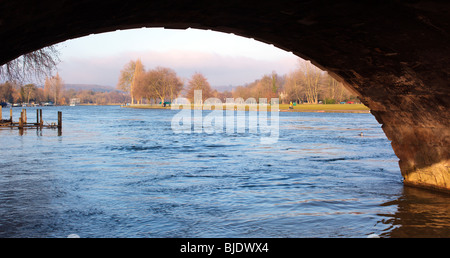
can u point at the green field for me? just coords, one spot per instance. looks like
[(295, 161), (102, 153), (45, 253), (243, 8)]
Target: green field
[(327, 107), (348, 108)]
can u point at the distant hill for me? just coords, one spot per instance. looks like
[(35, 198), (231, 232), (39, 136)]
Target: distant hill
[(92, 87)]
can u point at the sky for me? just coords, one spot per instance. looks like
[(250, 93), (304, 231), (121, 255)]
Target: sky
[(224, 59)]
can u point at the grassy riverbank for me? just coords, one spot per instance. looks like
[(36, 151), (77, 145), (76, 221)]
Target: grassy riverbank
[(351, 108), (336, 108)]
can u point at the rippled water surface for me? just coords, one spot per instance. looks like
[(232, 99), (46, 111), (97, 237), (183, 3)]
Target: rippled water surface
[(124, 173)]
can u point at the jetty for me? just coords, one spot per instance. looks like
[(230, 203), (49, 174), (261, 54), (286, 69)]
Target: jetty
[(24, 123)]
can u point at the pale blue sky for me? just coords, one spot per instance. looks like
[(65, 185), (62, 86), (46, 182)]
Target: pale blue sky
[(225, 59)]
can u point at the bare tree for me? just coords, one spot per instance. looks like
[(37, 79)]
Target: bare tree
[(126, 76), (267, 87), (53, 88), (135, 92), (128, 79), (28, 92), (6, 92), (241, 92), (161, 83), (32, 66), (312, 81), (175, 85), (199, 82), (294, 86), (333, 90)]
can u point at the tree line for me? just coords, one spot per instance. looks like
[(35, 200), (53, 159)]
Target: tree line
[(306, 84), (37, 65), (160, 85), (15, 92), (53, 91)]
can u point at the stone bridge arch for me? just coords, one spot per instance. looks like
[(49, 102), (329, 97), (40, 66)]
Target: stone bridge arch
[(394, 54)]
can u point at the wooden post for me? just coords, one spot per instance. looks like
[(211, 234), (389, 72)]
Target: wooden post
[(59, 119), (23, 115), (59, 123), (37, 116), (21, 120), (1, 114), (40, 114), (10, 115)]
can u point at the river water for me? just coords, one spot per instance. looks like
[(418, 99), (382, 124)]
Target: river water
[(116, 172)]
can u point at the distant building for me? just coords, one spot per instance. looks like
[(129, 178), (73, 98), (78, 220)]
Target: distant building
[(74, 102)]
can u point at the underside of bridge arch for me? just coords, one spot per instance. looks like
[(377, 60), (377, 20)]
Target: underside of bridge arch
[(393, 54)]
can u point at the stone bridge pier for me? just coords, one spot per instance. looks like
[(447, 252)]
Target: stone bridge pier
[(395, 55)]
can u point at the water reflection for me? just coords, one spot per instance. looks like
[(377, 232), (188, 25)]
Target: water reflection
[(420, 213)]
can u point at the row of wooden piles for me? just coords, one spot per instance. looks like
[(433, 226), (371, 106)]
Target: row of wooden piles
[(23, 120)]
